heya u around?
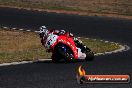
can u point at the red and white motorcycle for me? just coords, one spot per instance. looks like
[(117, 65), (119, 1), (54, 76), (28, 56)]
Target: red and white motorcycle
[(63, 47)]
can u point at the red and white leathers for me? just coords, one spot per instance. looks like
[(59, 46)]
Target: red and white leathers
[(44, 35)]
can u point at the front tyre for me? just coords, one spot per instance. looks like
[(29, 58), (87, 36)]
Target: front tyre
[(66, 53), (55, 58), (62, 51)]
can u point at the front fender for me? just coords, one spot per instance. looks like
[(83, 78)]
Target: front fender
[(67, 43)]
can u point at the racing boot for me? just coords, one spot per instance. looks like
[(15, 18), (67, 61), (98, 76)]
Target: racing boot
[(81, 45)]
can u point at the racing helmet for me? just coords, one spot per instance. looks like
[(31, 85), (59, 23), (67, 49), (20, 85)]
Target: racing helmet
[(43, 31)]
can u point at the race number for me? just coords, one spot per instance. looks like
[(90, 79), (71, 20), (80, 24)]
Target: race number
[(51, 40)]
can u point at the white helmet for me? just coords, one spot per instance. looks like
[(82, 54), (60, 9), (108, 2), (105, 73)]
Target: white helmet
[(43, 31)]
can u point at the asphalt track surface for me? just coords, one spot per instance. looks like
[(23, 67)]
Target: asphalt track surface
[(62, 75)]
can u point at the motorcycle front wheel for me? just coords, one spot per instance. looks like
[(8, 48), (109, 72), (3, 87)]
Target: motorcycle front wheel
[(62, 51)]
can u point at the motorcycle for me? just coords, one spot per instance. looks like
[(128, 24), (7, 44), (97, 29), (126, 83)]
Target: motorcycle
[(64, 47)]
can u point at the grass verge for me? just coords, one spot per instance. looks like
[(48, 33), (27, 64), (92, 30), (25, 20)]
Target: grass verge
[(96, 7), (24, 46)]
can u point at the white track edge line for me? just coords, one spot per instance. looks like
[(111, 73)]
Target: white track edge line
[(23, 62)]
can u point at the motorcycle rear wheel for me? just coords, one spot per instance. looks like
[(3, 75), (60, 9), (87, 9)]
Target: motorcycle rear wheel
[(89, 56)]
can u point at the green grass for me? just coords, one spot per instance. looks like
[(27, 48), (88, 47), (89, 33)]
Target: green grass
[(19, 46), (24, 46), (99, 46)]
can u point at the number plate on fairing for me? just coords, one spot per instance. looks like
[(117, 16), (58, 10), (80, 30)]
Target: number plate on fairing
[(50, 40)]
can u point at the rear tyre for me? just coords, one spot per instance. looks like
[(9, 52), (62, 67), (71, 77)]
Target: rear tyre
[(89, 56), (88, 52)]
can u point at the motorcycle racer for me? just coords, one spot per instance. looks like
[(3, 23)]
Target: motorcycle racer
[(75, 47), (44, 33)]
